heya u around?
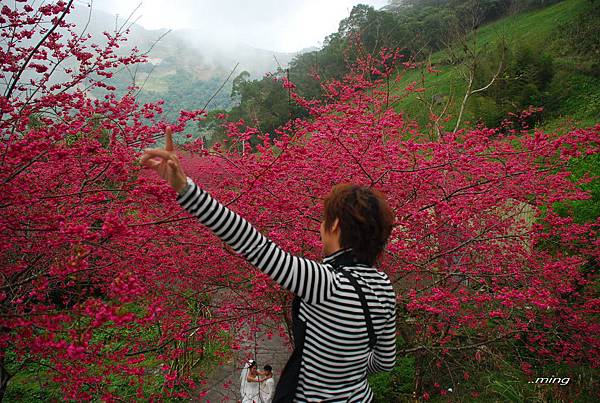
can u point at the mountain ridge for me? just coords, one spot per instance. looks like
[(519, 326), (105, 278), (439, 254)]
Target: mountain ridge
[(195, 50)]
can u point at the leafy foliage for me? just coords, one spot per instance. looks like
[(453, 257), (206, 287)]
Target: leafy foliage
[(524, 82), (418, 29)]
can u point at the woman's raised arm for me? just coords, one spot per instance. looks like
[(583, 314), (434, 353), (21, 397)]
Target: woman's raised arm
[(314, 282)]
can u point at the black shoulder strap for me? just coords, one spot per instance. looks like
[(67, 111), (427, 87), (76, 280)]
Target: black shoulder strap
[(363, 301)]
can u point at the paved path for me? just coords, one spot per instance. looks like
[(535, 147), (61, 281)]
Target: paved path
[(274, 351)]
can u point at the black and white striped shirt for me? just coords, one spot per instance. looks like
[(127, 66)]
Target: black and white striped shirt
[(336, 356)]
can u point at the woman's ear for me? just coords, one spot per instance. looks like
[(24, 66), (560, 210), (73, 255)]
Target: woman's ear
[(335, 227)]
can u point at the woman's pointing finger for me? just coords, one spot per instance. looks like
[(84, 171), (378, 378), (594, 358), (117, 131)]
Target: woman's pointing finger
[(169, 139)]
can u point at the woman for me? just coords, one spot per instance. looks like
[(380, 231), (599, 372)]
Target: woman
[(344, 311), (249, 383)]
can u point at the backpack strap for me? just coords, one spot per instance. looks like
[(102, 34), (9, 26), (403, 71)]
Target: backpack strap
[(363, 301)]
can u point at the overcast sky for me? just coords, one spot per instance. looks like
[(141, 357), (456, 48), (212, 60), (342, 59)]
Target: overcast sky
[(279, 25)]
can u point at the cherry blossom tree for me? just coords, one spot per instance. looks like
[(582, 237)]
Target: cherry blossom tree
[(85, 292), (481, 259), (106, 285)]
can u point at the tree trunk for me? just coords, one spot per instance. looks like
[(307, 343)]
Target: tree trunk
[(4, 378), (418, 375)]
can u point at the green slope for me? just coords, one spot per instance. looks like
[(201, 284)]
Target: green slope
[(574, 90)]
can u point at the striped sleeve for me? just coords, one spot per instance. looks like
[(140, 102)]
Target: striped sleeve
[(311, 281), (383, 356)]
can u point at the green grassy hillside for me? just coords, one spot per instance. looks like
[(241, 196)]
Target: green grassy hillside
[(571, 97)]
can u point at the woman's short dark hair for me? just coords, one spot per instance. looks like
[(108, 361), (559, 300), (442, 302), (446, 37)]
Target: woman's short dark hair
[(365, 220)]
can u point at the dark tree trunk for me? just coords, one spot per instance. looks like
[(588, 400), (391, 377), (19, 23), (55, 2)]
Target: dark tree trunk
[(4, 378)]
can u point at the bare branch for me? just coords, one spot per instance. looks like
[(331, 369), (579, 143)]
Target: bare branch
[(16, 78)]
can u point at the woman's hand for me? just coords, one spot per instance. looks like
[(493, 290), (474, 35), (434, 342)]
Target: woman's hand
[(166, 163)]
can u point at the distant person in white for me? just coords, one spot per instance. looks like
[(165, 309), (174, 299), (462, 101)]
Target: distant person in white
[(267, 385), (249, 383)]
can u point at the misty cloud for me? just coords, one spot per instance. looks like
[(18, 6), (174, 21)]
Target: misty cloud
[(285, 26)]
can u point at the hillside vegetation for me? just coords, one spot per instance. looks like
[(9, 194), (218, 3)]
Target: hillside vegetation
[(550, 61), (546, 55)]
